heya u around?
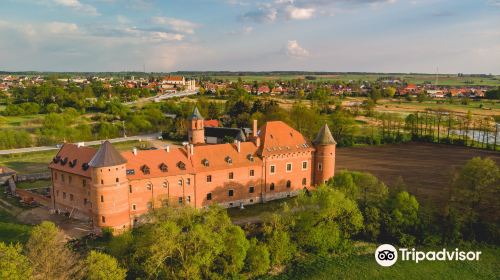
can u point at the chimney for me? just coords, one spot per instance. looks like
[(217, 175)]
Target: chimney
[(134, 151), (80, 144), (191, 149), (238, 145), (254, 129), (167, 148)]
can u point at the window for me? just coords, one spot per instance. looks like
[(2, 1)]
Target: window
[(251, 189), (180, 200), (84, 183), (163, 167), (304, 181), (209, 178), (117, 180), (134, 207), (209, 196), (85, 201), (273, 169), (70, 179), (288, 184), (179, 182), (231, 175), (145, 169), (188, 181), (252, 172), (230, 193), (62, 177), (229, 160), (320, 166), (103, 219), (64, 195), (288, 167), (205, 162), (271, 187), (102, 182), (149, 186), (71, 197), (188, 199), (304, 165), (150, 205), (130, 188), (102, 198), (165, 184)]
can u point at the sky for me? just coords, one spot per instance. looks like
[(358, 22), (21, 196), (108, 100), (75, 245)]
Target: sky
[(423, 36)]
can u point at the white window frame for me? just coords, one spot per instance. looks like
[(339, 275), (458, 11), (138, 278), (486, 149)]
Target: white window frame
[(307, 163), (272, 169), (286, 167)]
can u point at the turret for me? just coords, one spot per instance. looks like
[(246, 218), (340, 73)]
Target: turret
[(196, 130), (109, 191), (324, 158)]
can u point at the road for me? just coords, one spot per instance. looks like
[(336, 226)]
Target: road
[(164, 96), (90, 143)]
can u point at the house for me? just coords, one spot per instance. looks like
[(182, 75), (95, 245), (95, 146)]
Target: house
[(115, 190)]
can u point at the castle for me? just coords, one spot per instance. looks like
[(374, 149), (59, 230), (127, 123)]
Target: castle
[(113, 189)]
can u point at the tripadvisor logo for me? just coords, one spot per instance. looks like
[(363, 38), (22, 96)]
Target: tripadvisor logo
[(387, 255)]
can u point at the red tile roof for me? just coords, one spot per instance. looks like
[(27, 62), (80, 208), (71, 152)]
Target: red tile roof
[(279, 138), (218, 155), (211, 123), (153, 159), (68, 153)]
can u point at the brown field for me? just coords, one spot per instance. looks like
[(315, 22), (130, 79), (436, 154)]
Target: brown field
[(426, 169)]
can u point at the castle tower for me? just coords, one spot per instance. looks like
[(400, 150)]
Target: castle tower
[(196, 130), (324, 158), (109, 189)]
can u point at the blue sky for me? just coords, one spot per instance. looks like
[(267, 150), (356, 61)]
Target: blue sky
[(238, 35)]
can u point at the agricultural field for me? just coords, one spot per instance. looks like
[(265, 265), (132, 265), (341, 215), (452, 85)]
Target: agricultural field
[(426, 169), (479, 108), (444, 79)]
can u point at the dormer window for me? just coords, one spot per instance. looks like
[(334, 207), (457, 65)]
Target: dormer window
[(56, 159), (250, 157), (163, 167), (205, 162), (229, 160), (181, 165), (64, 161), (130, 172), (145, 169), (72, 163), (85, 166)]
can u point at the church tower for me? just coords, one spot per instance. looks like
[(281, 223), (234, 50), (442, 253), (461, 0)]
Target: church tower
[(109, 189), (196, 130), (324, 157)]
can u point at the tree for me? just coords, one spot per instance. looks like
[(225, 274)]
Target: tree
[(342, 125), (278, 240), (325, 220), (401, 219), (389, 92), (13, 264), (48, 255), (258, 259), (100, 266)]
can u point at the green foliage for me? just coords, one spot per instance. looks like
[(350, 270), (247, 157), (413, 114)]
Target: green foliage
[(278, 240), (258, 259), (10, 138), (99, 266), (13, 264)]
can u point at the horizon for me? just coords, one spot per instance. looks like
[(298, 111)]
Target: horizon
[(366, 36)]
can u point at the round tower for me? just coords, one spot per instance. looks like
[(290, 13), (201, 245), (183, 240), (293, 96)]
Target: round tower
[(324, 157), (109, 190), (196, 130)]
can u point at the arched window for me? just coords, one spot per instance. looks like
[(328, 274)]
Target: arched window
[(165, 184), (304, 181), (288, 184), (271, 187), (149, 186)]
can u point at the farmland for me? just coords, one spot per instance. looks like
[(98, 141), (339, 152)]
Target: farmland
[(425, 168)]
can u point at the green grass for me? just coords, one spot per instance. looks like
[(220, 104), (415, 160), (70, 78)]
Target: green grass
[(11, 231), (365, 267), (256, 211), (28, 121), (33, 184)]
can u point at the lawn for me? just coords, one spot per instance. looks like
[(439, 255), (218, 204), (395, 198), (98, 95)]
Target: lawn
[(29, 121), (365, 267), (34, 184), (10, 229)]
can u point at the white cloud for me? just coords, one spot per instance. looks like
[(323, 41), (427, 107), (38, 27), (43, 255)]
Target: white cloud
[(261, 15), (178, 25), (299, 13), (77, 6), (293, 49), (57, 27)]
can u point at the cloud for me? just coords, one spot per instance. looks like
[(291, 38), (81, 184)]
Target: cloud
[(178, 25), (261, 15), (293, 49), (77, 6), (299, 13), (57, 27)]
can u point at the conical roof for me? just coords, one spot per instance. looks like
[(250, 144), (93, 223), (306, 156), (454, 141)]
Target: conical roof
[(324, 137), (196, 114), (107, 155)]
